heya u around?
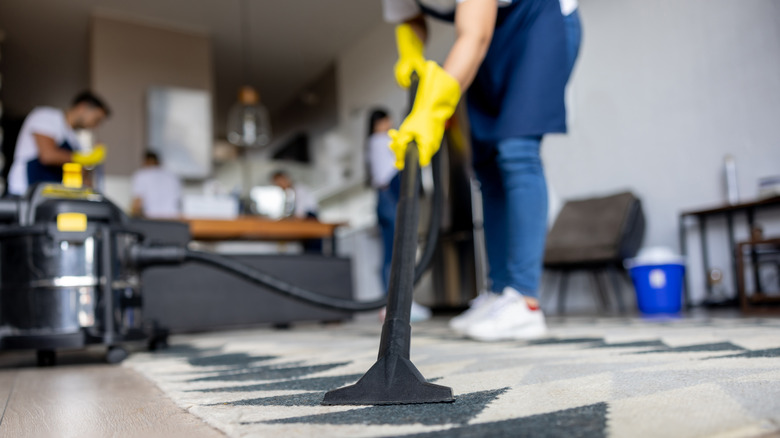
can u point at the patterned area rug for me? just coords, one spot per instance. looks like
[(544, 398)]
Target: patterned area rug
[(589, 378)]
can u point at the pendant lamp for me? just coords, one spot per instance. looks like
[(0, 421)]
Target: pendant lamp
[(248, 122)]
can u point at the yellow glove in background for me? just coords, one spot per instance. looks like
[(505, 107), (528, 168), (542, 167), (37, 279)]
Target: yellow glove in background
[(90, 159), (437, 97), (411, 55)]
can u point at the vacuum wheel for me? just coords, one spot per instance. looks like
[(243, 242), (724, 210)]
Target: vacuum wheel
[(47, 358), (116, 354)]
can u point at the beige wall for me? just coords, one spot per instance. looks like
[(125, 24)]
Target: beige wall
[(44, 56), (126, 58)]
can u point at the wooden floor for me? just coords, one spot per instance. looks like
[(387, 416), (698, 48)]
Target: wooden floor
[(82, 397)]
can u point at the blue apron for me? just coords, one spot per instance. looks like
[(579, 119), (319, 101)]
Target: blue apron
[(38, 172), (519, 88)]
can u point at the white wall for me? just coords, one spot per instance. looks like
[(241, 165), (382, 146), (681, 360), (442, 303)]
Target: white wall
[(662, 91)]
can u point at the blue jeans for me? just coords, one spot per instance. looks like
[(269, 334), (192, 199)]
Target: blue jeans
[(514, 193), (386, 205)]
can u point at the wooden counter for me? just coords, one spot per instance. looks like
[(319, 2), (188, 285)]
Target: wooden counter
[(256, 228)]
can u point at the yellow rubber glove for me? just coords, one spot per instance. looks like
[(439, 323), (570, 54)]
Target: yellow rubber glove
[(437, 97), (90, 159), (411, 55)]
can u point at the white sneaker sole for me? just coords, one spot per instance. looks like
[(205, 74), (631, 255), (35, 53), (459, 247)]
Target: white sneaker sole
[(527, 332), (460, 327)]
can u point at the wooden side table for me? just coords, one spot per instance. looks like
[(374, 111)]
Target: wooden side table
[(759, 301), (749, 209)]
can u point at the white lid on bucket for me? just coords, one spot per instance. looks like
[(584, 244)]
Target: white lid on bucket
[(655, 255)]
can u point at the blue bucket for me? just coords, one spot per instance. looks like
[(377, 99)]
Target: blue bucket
[(658, 287)]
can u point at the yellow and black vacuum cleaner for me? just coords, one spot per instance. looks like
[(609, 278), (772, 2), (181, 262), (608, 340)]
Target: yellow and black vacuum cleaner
[(65, 280)]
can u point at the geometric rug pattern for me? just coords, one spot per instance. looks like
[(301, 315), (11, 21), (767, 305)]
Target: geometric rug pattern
[(590, 377)]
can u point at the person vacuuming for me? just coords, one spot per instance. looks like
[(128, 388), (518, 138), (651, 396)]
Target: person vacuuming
[(514, 58)]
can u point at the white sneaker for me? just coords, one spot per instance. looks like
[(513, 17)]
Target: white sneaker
[(419, 313), (478, 307), (508, 318)]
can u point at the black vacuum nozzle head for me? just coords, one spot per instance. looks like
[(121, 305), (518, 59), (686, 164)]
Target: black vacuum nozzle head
[(392, 380)]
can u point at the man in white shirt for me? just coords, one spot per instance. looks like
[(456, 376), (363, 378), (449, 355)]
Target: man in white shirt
[(156, 191), (47, 141), (306, 205)]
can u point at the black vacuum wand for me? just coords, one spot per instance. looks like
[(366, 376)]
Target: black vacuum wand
[(394, 379)]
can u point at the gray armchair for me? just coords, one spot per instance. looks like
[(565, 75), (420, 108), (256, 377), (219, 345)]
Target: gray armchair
[(595, 235)]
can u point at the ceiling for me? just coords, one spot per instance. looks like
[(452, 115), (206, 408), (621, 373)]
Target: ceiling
[(292, 41)]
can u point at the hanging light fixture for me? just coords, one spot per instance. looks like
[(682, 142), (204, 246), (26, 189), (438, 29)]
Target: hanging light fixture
[(248, 122)]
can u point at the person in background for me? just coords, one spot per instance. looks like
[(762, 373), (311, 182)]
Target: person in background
[(514, 58), (306, 206), (156, 190), (386, 181), (47, 141)]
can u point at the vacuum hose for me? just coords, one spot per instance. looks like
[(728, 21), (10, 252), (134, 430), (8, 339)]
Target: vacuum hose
[(254, 276), (143, 256), (434, 227), (260, 278)]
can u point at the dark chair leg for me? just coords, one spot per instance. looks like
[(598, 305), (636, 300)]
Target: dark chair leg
[(599, 292), (562, 285), (778, 277), (603, 287), (626, 276), (627, 280), (613, 277)]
